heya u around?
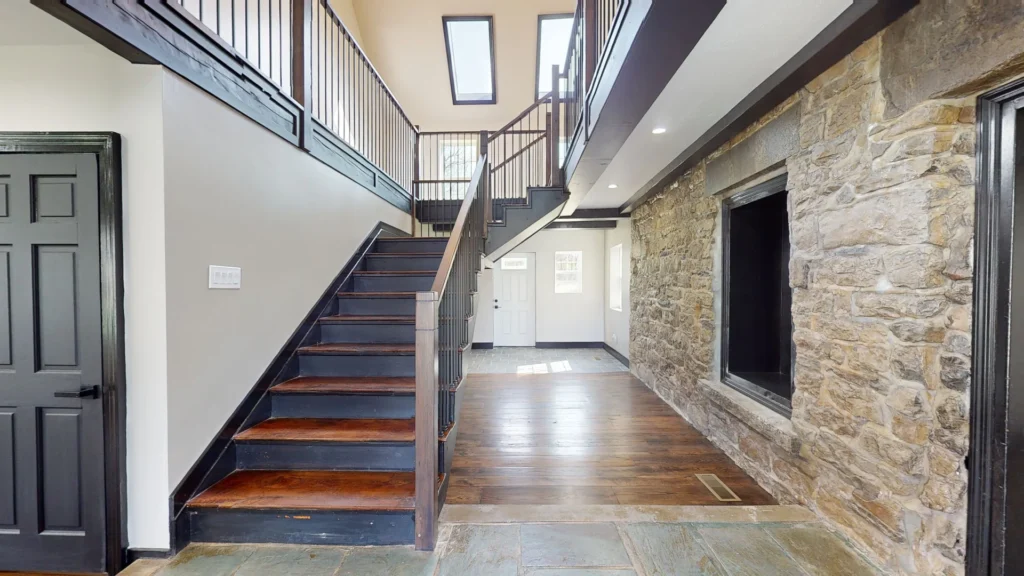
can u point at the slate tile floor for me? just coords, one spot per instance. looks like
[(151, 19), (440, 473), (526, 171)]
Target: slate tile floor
[(600, 548), (543, 361)]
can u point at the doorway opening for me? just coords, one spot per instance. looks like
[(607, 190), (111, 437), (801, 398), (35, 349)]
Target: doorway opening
[(996, 458), (757, 335), (62, 474), (515, 300)]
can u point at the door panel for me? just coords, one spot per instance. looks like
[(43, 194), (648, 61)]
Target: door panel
[(51, 441), (515, 317)]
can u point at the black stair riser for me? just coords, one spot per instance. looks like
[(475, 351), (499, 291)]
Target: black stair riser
[(376, 306), (365, 456), (418, 246), (308, 527), (393, 283), (427, 263), (343, 406), (321, 365), (349, 333)]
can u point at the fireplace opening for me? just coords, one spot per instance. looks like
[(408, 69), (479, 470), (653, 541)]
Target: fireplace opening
[(758, 330)]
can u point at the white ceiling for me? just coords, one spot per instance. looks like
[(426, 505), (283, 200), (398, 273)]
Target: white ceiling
[(22, 24), (748, 42)]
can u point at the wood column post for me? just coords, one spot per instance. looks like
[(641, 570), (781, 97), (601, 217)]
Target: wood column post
[(485, 138), (549, 129), (415, 192), (427, 304), (556, 124), (589, 43), (302, 67)]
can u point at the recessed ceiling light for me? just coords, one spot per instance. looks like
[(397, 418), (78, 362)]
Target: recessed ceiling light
[(659, 130), (613, 186)]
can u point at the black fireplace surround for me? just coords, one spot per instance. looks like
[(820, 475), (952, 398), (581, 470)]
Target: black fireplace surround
[(757, 328)]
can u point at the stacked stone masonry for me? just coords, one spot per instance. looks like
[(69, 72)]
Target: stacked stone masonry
[(881, 210)]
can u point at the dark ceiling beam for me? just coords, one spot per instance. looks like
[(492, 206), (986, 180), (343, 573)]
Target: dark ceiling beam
[(853, 27), (647, 48), (593, 214), (582, 225)]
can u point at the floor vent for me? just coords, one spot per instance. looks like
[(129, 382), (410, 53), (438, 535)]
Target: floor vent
[(718, 488)]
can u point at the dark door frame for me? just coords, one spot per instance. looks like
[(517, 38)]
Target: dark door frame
[(107, 147), (990, 410)]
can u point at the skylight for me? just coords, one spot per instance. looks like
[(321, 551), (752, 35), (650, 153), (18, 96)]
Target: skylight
[(470, 44), (553, 35)]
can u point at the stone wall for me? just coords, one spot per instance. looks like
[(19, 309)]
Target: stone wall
[(881, 204)]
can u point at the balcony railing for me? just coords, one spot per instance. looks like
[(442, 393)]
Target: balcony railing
[(260, 31), (352, 101)]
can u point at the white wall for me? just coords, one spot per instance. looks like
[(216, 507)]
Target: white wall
[(237, 195), (616, 323), (87, 88), (560, 317), (484, 331)]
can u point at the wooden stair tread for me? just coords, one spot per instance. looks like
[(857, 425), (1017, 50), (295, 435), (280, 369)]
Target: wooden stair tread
[(360, 349), (311, 490), (346, 385), (377, 294), (368, 319), (330, 430), (395, 273), (405, 255)]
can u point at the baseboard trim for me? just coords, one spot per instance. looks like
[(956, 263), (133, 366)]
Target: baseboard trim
[(218, 459), (569, 345), (143, 553), (483, 345), (618, 356)]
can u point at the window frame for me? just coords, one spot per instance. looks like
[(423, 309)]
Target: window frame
[(762, 395), (540, 23), (613, 265), (451, 70), (579, 272)]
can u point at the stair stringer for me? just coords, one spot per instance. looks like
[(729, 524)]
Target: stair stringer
[(218, 460), (522, 222)]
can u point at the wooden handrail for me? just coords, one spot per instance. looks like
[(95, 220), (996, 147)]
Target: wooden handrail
[(540, 102), (448, 260), (521, 151)]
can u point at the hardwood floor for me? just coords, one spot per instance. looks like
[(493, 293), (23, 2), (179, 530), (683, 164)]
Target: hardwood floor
[(582, 439)]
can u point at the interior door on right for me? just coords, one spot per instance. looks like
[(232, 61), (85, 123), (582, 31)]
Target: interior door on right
[(515, 300)]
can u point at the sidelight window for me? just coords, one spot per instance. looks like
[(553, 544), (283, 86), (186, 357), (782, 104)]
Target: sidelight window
[(615, 278)]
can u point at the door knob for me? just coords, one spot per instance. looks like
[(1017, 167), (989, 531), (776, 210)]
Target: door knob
[(83, 392), (496, 306)]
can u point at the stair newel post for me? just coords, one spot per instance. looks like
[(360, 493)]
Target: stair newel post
[(415, 192), (302, 67), (427, 382), (589, 42), (556, 112), (485, 138), (551, 139)]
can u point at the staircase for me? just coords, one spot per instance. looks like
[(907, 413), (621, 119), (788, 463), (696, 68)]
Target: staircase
[(524, 190), (333, 460), (354, 445)]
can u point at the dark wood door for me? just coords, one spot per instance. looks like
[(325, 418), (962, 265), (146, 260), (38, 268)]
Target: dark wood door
[(51, 440)]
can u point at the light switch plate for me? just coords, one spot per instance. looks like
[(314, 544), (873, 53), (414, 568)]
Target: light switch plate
[(225, 278)]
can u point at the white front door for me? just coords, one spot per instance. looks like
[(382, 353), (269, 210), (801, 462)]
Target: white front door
[(515, 297)]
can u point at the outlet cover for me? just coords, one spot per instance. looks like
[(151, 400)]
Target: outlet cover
[(225, 278)]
